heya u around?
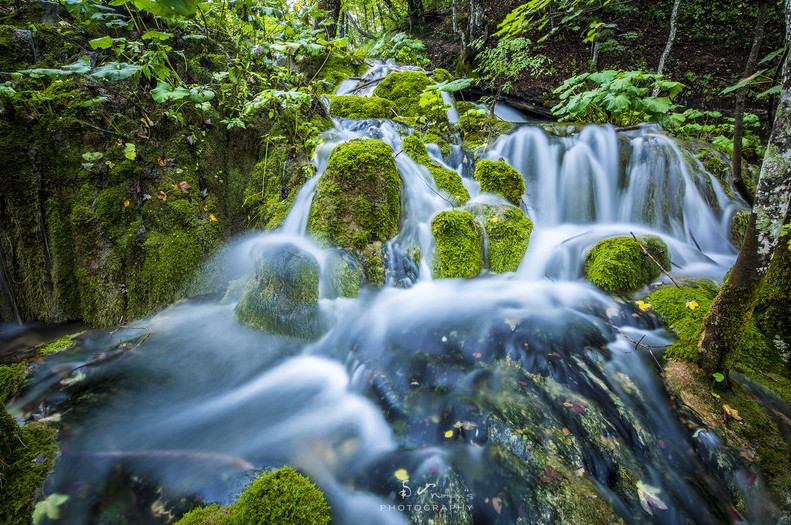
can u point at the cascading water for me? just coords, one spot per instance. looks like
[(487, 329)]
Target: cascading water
[(491, 394)]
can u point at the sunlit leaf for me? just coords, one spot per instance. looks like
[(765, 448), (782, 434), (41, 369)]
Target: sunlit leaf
[(156, 35), (401, 474), (642, 305), (691, 304), (49, 508), (449, 434), (649, 497), (743, 82), (130, 151), (718, 377), (101, 43), (212, 217)]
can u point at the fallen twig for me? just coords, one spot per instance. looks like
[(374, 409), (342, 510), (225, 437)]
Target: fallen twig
[(655, 261)]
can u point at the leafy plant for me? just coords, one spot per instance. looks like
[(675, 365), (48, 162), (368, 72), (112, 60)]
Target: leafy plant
[(401, 48), (618, 97), (508, 60)]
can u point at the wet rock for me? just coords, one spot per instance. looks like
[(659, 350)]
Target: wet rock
[(404, 88), (282, 295), (619, 265), (459, 245), (447, 180), (345, 276), (498, 177), (508, 231)]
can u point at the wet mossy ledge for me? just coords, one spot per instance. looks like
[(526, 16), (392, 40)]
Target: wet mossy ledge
[(357, 203), (349, 106), (508, 235), (448, 181), (282, 497), (458, 241), (619, 264), (404, 89), (498, 177)]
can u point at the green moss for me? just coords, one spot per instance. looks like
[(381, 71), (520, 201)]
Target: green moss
[(11, 378), (442, 75), (283, 497), (508, 230), (16, 51), (358, 199), (64, 343), (362, 107), (344, 274), (446, 179), (477, 128), (434, 137), (282, 295), (771, 317), (682, 310), (26, 457), (404, 88), (459, 245), (275, 183), (499, 177), (716, 164), (738, 226), (619, 265), (332, 70)]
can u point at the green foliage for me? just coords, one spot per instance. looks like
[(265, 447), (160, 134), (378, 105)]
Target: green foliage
[(621, 98), (459, 245), (401, 48), (506, 62), (536, 15), (283, 497), (619, 265), (713, 127), (499, 177)]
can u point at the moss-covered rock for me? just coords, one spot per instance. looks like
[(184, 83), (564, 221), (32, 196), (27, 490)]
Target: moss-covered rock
[(344, 275), (358, 202), (16, 48), (349, 106), (433, 136), (442, 75), (404, 88), (283, 497), (619, 264), (459, 245), (26, 457), (498, 177), (682, 310), (478, 128), (738, 227), (282, 295), (508, 231), (447, 180), (332, 70)]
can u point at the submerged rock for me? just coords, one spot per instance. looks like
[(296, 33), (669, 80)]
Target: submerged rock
[(404, 88), (619, 264), (459, 245), (447, 180), (358, 202), (499, 177), (282, 296), (350, 106), (508, 231), (344, 274)]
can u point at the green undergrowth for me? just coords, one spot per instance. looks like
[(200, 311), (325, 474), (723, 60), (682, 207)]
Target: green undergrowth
[(283, 497), (447, 180)]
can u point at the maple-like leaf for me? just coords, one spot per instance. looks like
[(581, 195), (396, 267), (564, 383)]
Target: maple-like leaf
[(648, 497)]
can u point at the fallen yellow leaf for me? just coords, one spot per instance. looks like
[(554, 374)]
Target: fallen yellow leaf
[(126, 204), (449, 434), (692, 304), (643, 305), (162, 196), (212, 217), (401, 474)]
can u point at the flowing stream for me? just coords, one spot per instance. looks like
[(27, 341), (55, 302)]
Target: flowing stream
[(470, 388)]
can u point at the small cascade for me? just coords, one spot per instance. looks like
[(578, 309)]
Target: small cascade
[(486, 389)]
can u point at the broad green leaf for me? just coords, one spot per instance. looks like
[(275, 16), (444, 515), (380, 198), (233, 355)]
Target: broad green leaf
[(616, 103), (718, 377), (168, 8), (771, 55), (603, 77), (771, 91), (657, 104), (164, 92), (101, 43), (201, 94), (49, 508), (456, 85), (743, 82), (156, 35), (92, 156), (115, 71), (130, 151)]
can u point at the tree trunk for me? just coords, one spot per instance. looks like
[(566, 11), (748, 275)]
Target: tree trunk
[(741, 94), (670, 38), (416, 18), (732, 309), (333, 8), (476, 20)]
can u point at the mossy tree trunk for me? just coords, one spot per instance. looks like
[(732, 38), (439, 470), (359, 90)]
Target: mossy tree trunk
[(733, 307), (333, 8), (416, 16)]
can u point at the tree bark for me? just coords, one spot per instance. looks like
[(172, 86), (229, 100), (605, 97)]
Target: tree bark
[(333, 8), (476, 19), (732, 309), (416, 16), (741, 94), (670, 38)]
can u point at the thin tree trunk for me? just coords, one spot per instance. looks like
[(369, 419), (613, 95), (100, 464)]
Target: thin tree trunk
[(416, 15), (732, 309), (476, 20), (670, 38), (741, 94), (333, 7)]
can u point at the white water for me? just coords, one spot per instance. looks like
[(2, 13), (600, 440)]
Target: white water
[(398, 366)]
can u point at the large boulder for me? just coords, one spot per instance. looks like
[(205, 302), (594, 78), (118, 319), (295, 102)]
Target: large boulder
[(508, 231), (620, 265), (404, 88), (349, 106), (498, 177), (459, 245), (282, 295), (447, 180), (358, 202)]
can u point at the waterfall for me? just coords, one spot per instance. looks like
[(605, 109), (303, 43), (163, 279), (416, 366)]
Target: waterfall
[(487, 389)]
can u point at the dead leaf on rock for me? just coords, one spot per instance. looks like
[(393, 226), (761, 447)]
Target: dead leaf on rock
[(551, 475), (648, 497)]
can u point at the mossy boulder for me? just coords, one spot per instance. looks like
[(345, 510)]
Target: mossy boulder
[(498, 177), (477, 127), (738, 227), (283, 497), (404, 88), (358, 202), (349, 106), (332, 70), (619, 264), (508, 231), (344, 274), (282, 295), (16, 48), (447, 180), (442, 75), (459, 245), (433, 136)]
